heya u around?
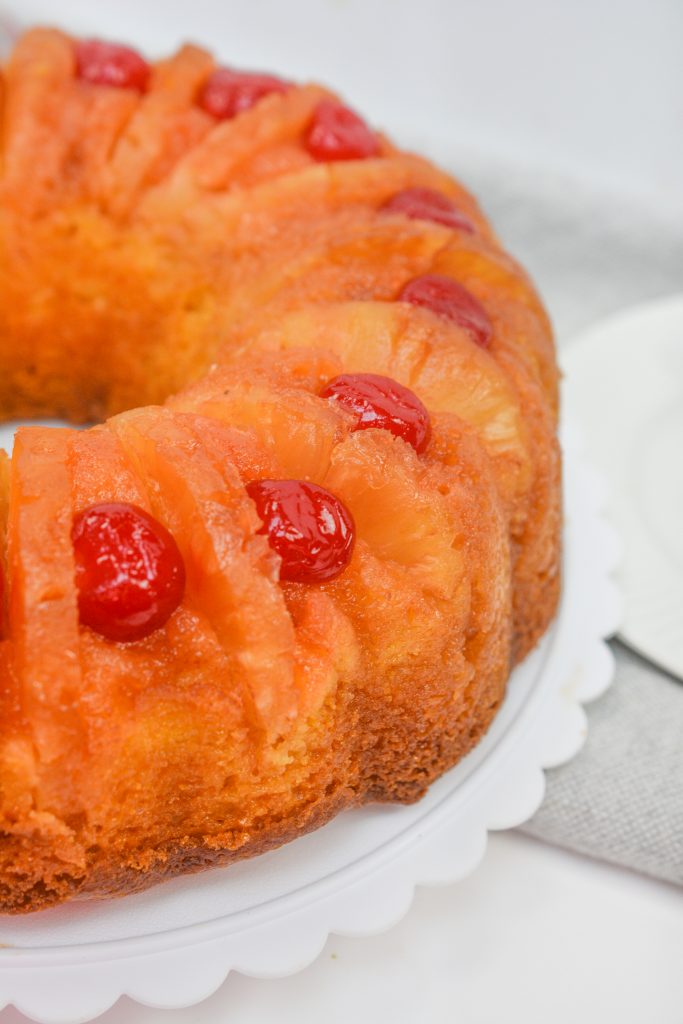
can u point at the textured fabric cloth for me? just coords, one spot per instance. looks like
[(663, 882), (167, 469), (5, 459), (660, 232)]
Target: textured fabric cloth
[(621, 799)]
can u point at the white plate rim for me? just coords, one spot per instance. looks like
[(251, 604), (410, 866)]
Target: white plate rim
[(613, 348)]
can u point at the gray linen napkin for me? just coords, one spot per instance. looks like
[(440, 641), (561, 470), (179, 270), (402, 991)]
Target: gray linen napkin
[(621, 799)]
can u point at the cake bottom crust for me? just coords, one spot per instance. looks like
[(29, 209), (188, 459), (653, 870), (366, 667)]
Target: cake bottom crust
[(398, 767)]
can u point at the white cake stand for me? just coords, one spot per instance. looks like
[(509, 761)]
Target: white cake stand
[(174, 945)]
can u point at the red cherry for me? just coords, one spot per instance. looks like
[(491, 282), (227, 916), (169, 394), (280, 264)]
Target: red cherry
[(227, 93), (447, 298), (129, 572), (382, 403), (337, 133), (111, 64), (309, 528), (428, 204)]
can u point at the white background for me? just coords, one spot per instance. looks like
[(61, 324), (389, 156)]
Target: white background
[(591, 86), (591, 92)]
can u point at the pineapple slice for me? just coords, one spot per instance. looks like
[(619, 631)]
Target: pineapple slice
[(157, 710), (402, 521), (463, 473), (43, 610), (270, 429), (407, 577), (41, 114), (231, 571), (520, 322), (296, 431), (437, 360), (166, 125)]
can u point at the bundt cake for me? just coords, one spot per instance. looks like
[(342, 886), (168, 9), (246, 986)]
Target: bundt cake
[(317, 519)]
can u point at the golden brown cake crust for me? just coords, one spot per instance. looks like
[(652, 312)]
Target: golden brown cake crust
[(194, 284)]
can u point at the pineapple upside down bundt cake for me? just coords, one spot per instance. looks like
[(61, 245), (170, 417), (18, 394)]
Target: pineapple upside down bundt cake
[(318, 522)]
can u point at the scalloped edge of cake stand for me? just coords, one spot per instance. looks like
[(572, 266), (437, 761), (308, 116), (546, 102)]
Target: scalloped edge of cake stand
[(181, 967)]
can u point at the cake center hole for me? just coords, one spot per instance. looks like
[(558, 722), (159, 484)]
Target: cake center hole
[(9, 429)]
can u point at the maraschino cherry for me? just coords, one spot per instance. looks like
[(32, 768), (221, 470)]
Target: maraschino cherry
[(380, 402), (130, 574), (449, 299), (312, 531), (428, 204), (337, 133), (103, 63), (227, 93)]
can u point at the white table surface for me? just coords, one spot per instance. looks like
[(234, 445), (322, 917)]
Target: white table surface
[(536, 935)]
